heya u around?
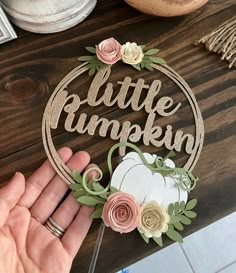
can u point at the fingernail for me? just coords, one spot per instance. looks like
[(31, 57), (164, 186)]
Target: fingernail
[(15, 174)]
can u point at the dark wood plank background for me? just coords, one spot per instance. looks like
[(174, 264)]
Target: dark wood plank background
[(32, 65)]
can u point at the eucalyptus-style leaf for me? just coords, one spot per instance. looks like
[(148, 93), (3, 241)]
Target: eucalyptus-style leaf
[(86, 58), (185, 220), (179, 226), (190, 214), (142, 64), (191, 204), (97, 213), (89, 200), (77, 177), (136, 66), (149, 67), (171, 209), (113, 189), (146, 58), (146, 239), (92, 71), (79, 193), (158, 240), (97, 187), (174, 219), (91, 49), (90, 183), (75, 186), (177, 207), (170, 226), (157, 60), (142, 46), (174, 235), (102, 200), (182, 205), (152, 51)]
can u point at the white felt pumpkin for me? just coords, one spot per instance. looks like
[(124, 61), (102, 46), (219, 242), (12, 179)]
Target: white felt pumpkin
[(133, 177)]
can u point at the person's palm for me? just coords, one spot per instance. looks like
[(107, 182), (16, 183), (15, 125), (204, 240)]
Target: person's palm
[(26, 245)]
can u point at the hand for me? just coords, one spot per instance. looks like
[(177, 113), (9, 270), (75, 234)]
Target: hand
[(26, 245)]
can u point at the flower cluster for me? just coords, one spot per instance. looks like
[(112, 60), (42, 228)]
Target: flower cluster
[(123, 212), (110, 51)]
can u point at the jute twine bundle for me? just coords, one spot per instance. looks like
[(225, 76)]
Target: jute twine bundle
[(222, 40)]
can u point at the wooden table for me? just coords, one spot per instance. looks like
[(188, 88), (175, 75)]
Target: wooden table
[(32, 65)]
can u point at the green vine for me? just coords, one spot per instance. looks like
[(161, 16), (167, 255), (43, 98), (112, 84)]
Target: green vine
[(89, 191)]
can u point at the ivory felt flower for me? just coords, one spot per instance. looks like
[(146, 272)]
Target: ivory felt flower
[(154, 220), (109, 51), (121, 212), (131, 53)]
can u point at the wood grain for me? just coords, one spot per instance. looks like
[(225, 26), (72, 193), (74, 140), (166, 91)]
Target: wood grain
[(32, 65)]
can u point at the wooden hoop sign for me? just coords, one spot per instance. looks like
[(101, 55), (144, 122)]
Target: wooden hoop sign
[(60, 101)]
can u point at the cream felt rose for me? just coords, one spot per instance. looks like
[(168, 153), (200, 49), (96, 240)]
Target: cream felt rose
[(154, 220), (131, 53), (109, 51), (121, 212)]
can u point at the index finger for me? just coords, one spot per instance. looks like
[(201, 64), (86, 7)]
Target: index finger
[(36, 183)]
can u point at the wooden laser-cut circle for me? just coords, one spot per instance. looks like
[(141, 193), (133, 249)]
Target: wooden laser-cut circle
[(65, 172)]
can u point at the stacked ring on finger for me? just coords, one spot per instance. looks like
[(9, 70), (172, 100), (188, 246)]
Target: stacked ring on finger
[(54, 228)]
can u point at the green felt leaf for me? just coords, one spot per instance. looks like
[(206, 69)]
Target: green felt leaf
[(97, 67), (191, 204), (79, 193), (86, 58), (97, 213), (142, 64), (157, 60), (174, 235), (146, 58), (185, 220), (158, 240), (190, 214), (182, 205), (90, 184), (77, 177), (171, 209), (75, 186), (97, 187), (149, 67), (91, 49), (152, 51), (142, 46), (177, 208), (170, 226), (146, 239), (92, 71), (179, 226), (174, 219), (136, 66), (102, 200), (113, 189), (89, 200)]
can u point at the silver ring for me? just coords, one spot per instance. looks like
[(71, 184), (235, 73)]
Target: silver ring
[(54, 228), (56, 225)]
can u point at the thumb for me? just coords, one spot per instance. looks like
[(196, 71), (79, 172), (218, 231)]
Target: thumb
[(10, 195)]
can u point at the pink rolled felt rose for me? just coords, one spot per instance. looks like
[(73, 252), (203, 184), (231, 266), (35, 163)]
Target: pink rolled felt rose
[(121, 212), (109, 51)]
